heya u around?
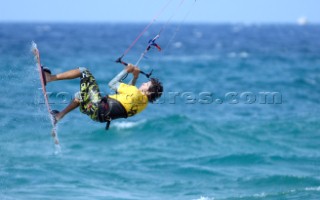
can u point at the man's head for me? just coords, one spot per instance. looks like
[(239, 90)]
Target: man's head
[(153, 89)]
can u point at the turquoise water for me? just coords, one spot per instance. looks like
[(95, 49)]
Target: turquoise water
[(216, 133)]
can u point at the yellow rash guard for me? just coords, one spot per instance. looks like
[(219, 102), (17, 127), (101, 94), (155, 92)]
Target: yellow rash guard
[(131, 98)]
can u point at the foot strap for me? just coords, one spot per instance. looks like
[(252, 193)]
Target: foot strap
[(108, 124), (43, 70), (43, 76)]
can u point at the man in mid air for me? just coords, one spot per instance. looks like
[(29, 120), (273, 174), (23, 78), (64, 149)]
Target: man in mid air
[(128, 100)]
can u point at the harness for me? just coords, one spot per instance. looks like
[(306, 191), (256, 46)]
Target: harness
[(110, 109)]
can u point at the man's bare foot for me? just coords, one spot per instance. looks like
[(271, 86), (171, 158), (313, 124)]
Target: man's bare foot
[(59, 116), (55, 116)]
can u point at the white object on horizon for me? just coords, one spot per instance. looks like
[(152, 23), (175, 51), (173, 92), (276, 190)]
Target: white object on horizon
[(302, 21)]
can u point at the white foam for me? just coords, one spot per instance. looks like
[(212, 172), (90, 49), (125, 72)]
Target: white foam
[(242, 54), (204, 198), (57, 149), (260, 195), (313, 188), (127, 125), (191, 58), (33, 46)]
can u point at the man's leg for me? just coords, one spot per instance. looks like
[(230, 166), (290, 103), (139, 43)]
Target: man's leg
[(73, 105), (72, 74)]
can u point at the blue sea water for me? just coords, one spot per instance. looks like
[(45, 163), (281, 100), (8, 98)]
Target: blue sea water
[(215, 134)]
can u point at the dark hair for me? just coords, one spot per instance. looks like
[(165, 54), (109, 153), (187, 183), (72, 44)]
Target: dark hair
[(155, 90)]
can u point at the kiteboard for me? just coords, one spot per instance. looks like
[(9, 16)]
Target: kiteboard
[(36, 54)]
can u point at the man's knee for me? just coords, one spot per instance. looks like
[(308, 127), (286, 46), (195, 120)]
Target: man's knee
[(76, 100), (77, 97), (82, 69)]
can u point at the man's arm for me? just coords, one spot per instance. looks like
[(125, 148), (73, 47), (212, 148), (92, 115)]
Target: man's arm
[(135, 73), (115, 82), (133, 81)]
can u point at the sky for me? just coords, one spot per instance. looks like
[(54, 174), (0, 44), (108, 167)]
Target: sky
[(199, 11)]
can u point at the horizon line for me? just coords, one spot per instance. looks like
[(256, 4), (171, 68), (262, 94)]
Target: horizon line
[(160, 22)]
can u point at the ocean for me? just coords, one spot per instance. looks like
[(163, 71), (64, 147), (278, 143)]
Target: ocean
[(239, 118)]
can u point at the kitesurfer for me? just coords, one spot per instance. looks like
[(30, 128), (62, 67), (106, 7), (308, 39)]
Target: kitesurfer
[(128, 100)]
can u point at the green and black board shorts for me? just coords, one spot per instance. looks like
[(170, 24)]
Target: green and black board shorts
[(90, 94)]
